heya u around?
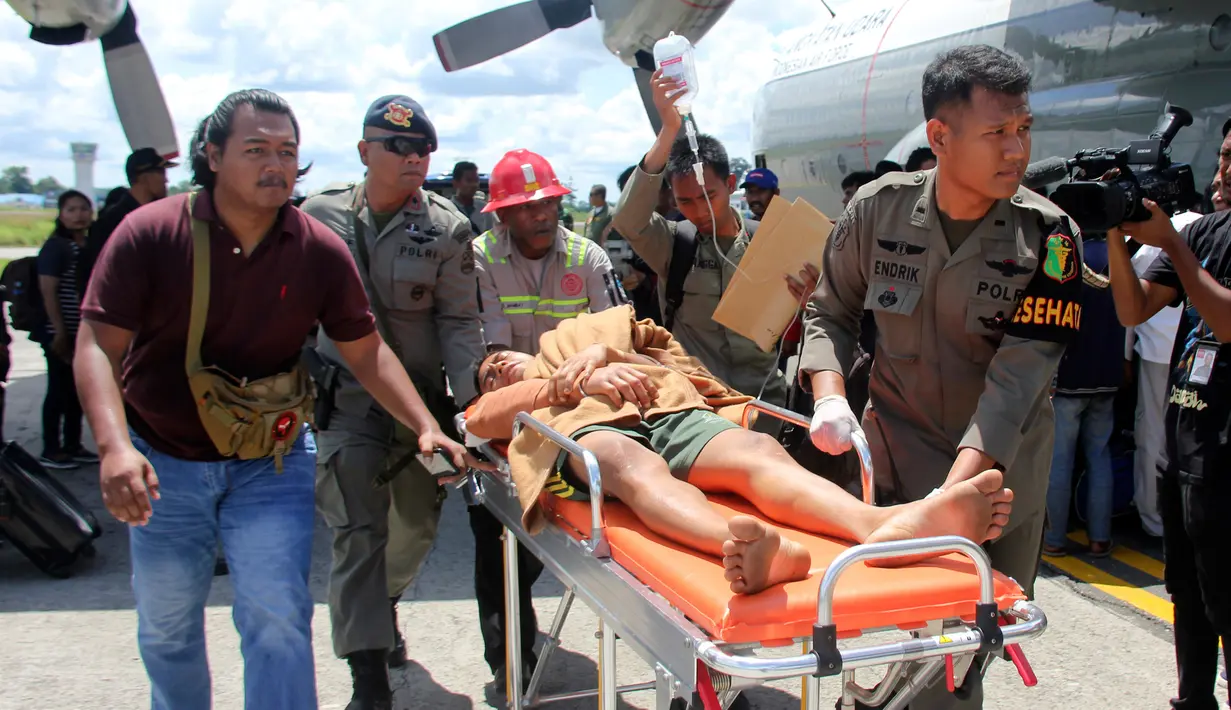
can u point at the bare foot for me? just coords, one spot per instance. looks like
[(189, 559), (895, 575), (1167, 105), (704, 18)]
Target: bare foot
[(757, 557), (977, 509)]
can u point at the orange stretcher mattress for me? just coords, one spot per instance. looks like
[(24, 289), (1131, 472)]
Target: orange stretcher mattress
[(866, 597)]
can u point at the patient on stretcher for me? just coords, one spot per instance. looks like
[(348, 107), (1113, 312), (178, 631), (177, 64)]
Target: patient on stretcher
[(650, 415)]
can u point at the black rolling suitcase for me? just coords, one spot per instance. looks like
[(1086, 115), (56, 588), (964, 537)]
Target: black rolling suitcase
[(40, 516)]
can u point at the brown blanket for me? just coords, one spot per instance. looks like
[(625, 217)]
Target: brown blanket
[(682, 381)]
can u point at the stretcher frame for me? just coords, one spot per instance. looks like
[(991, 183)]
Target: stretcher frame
[(689, 666)]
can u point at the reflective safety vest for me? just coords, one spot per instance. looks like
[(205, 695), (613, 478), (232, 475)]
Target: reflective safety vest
[(521, 299)]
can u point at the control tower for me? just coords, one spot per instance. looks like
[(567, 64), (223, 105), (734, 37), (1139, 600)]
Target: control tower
[(83, 161)]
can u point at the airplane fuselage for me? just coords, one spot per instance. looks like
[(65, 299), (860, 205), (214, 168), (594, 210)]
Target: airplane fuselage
[(846, 93)]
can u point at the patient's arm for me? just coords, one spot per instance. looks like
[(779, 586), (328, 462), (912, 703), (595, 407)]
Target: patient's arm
[(495, 412), (577, 369)]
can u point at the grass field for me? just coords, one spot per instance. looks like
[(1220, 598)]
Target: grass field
[(25, 227)]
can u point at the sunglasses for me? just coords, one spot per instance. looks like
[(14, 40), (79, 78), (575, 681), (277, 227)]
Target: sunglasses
[(404, 145)]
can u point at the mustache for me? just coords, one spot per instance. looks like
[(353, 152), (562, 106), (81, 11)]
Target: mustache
[(272, 181)]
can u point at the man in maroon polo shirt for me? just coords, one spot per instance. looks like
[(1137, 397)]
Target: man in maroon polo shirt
[(275, 272)]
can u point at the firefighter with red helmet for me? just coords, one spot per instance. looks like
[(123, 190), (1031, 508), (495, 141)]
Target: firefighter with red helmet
[(533, 273)]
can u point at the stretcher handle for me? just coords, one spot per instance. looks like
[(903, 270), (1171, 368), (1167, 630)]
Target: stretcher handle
[(902, 548), (596, 542), (859, 441), (1033, 622)]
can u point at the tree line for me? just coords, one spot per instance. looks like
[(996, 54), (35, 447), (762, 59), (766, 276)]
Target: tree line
[(16, 178)]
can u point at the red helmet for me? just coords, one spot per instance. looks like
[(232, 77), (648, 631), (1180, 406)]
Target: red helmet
[(521, 177)]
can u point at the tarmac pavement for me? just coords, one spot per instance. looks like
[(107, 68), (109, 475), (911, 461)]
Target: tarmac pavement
[(71, 643)]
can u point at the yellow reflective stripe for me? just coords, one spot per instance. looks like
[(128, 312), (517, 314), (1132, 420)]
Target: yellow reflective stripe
[(491, 244), (581, 254), (519, 311), (545, 301), (568, 250)]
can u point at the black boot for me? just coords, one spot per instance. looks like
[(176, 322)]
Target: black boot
[(370, 681), (397, 657)]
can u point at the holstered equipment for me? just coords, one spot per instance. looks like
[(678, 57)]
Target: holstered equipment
[(245, 419), (438, 404)]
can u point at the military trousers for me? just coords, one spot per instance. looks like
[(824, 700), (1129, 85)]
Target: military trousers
[(489, 590), (1016, 553), (382, 534)]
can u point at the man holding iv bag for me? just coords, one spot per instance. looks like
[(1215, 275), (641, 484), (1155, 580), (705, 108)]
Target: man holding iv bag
[(696, 259)]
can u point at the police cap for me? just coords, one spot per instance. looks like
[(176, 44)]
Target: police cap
[(400, 114)]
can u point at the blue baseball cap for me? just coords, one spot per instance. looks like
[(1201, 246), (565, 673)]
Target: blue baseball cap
[(761, 177)]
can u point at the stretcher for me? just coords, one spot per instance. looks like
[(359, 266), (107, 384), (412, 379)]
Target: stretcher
[(673, 608)]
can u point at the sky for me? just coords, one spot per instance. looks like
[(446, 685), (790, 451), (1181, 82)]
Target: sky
[(563, 96)]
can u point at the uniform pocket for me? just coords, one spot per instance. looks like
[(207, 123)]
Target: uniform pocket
[(995, 294), (704, 282), (414, 278), (898, 321), (345, 494)]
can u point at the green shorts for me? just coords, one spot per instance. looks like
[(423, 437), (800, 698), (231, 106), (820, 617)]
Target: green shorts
[(678, 437)]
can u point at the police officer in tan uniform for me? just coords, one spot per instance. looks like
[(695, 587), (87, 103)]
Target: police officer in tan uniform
[(414, 250), (721, 237), (533, 273), (975, 285)]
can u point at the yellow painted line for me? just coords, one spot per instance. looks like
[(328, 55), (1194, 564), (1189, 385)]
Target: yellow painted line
[(1132, 558), (1116, 587)]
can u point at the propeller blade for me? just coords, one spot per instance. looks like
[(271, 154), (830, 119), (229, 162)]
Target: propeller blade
[(501, 31), (138, 97), (642, 76)]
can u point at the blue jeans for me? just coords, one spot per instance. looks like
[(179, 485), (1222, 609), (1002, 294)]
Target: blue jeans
[(1092, 418), (265, 522)]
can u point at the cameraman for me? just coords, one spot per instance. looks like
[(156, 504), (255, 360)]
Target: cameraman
[(1194, 490)]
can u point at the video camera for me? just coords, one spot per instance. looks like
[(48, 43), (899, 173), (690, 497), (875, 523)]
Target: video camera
[(1145, 171)]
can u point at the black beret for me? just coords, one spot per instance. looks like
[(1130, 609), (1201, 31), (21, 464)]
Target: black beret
[(400, 114)]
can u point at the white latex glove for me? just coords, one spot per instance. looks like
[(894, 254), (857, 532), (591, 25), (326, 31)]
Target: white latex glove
[(832, 425)]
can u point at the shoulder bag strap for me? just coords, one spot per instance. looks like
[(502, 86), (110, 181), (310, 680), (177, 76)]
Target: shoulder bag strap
[(683, 253), (378, 307), (200, 290)]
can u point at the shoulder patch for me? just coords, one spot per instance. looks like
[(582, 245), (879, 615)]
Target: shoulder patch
[(842, 228), (1050, 308)]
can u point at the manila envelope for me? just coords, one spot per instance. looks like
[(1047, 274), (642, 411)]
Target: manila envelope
[(757, 304)]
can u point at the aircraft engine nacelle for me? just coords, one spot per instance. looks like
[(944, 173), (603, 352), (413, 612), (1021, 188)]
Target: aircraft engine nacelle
[(917, 138), (63, 22), (632, 26)]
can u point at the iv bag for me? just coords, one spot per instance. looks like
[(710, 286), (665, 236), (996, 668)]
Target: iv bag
[(674, 55)]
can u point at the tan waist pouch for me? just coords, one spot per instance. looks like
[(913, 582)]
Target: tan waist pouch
[(245, 419)]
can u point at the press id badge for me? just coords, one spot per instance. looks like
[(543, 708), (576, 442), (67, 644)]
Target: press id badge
[(1203, 364)]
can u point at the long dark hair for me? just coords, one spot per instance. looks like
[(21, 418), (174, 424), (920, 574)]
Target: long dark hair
[(216, 128), (61, 230)]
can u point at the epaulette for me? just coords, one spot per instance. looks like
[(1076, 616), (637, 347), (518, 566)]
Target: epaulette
[(1031, 200), (334, 188), (895, 179)]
